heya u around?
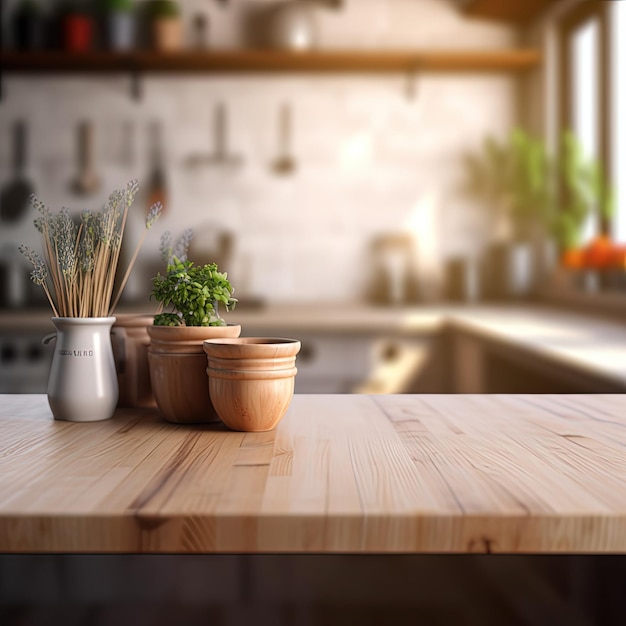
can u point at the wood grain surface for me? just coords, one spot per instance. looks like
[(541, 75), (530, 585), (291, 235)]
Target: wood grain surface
[(351, 473)]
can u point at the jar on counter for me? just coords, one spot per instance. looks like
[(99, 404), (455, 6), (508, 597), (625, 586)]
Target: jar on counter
[(77, 29)]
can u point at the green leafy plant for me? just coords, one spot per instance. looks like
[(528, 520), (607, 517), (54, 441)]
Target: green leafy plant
[(163, 9), (583, 188), (195, 294), (80, 259), (515, 178), (487, 173), (535, 191), (532, 191), (116, 6)]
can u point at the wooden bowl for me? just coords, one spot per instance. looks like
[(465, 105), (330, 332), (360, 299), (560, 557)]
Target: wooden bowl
[(251, 380)]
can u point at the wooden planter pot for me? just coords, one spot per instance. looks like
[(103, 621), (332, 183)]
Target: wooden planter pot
[(167, 34), (251, 380), (178, 371), (130, 340)]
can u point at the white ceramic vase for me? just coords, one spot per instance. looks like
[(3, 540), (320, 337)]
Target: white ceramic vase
[(83, 386)]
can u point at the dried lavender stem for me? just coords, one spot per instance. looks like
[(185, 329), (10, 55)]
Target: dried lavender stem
[(80, 261), (129, 269)]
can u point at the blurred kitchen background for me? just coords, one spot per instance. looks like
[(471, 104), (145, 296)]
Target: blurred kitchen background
[(345, 161)]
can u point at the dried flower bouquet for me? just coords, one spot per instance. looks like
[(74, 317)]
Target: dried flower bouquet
[(78, 267)]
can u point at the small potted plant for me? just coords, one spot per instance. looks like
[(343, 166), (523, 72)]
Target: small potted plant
[(194, 293), (514, 179), (118, 24), (536, 195), (131, 341), (166, 25)]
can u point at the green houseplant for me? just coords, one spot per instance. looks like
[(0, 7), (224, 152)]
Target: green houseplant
[(583, 189), (535, 191), (77, 273), (163, 9), (176, 356), (131, 339), (195, 292), (536, 195), (514, 178), (117, 6), (165, 24)]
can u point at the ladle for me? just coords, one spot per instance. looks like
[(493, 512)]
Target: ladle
[(284, 164), (220, 157), (87, 181)]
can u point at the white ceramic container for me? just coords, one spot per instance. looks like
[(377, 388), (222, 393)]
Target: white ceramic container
[(83, 386)]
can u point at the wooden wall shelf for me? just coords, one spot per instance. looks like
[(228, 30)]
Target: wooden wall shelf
[(271, 61), (520, 12), (265, 61)]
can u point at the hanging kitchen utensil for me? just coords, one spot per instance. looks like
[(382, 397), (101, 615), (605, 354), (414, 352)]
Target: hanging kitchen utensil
[(14, 277), (87, 182), (157, 179), (220, 157), (200, 31), (284, 164), (15, 195), (127, 147)]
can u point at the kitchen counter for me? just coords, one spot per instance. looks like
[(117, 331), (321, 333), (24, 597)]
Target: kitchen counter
[(341, 473), (582, 343)]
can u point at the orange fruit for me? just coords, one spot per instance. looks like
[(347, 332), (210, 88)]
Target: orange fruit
[(599, 253), (618, 257)]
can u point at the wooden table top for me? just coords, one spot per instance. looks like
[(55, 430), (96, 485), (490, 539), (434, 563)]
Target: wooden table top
[(341, 473)]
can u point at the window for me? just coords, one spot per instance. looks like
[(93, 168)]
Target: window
[(585, 95), (617, 20), (584, 89)]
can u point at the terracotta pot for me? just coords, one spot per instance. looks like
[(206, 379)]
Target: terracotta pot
[(167, 34), (178, 371), (130, 339), (251, 380)]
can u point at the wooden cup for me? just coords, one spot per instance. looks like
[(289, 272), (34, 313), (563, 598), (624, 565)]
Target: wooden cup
[(251, 380)]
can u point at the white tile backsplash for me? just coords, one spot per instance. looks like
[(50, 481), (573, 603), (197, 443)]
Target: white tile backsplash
[(367, 156)]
